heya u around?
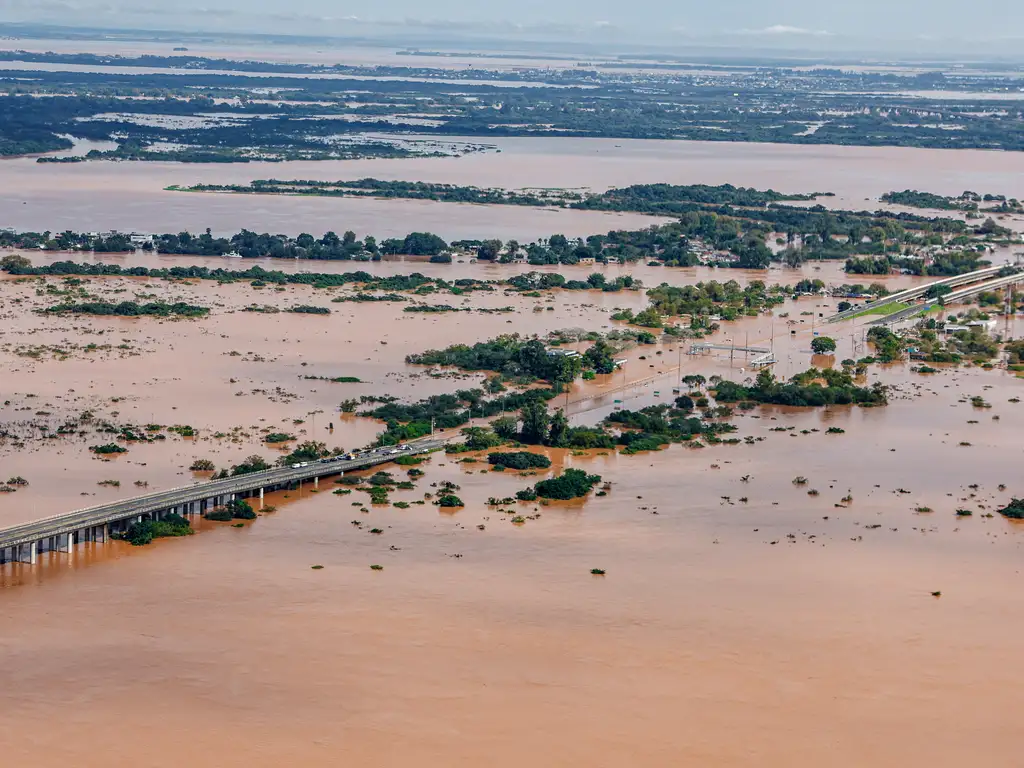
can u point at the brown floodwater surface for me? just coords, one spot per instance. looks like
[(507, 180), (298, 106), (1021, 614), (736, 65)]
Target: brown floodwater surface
[(96, 196), (742, 621)]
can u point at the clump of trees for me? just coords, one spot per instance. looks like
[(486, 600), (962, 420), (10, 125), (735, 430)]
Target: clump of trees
[(1014, 510), (310, 450), (236, 509), (108, 448), (813, 388), (141, 533), (254, 463), (728, 299), (571, 484), (888, 346), (520, 460), (512, 356), (131, 309), (541, 428)]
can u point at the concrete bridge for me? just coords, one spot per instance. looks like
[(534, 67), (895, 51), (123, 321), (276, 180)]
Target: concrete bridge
[(23, 543)]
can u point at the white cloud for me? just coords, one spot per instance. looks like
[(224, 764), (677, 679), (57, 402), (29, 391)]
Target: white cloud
[(784, 29)]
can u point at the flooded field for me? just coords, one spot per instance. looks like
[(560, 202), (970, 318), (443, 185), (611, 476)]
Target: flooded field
[(131, 195), (741, 620)]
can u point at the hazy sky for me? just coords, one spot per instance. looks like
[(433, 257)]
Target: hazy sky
[(788, 22)]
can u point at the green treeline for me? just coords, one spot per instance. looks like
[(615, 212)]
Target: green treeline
[(406, 190), (967, 201), (16, 265), (131, 309), (646, 198), (803, 390), (940, 265)]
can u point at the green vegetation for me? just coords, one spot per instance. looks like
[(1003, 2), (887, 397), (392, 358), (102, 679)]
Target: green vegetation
[(335, 379), (653, 427), (512, 356), (310, 450), (141, 533), (131, 309), (450, 500), (236, 509), (803, 390), (109, 448), (571, 484), (406, 190), (941, 265), (254, 463), (278, 437), (521, 460), (1014, 510), (968, 201), (888, 346), (823, 345), (202, 465), (728, 299)]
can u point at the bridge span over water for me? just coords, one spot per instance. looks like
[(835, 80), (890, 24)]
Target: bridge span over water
[(24, 542)]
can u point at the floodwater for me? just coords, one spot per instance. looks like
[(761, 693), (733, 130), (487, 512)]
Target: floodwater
[(131, 196), (741, 620)]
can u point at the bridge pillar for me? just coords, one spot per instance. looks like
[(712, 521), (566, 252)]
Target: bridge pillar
[(66, 542), (27, 553), (101, 533), (316, 481)]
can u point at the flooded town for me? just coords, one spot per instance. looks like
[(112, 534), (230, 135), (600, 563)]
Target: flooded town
[(459, 449)]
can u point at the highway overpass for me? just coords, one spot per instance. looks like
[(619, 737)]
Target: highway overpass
[(950, 298), (911, 294), (23, 543)]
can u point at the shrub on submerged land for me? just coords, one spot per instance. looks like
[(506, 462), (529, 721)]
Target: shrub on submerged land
[(1014, 510), (571, 484), (140, 534), (236, 509), (109, 448), (519, 460)]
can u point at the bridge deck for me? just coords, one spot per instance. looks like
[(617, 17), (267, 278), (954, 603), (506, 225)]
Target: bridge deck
[(59, 525)]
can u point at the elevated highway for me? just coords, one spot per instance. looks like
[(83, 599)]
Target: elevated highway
[(910, 294), (950, 298), (24, 542)]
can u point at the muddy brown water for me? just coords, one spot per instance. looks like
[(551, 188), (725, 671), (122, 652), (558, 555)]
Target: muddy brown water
[(129, 196), (782, 630)]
